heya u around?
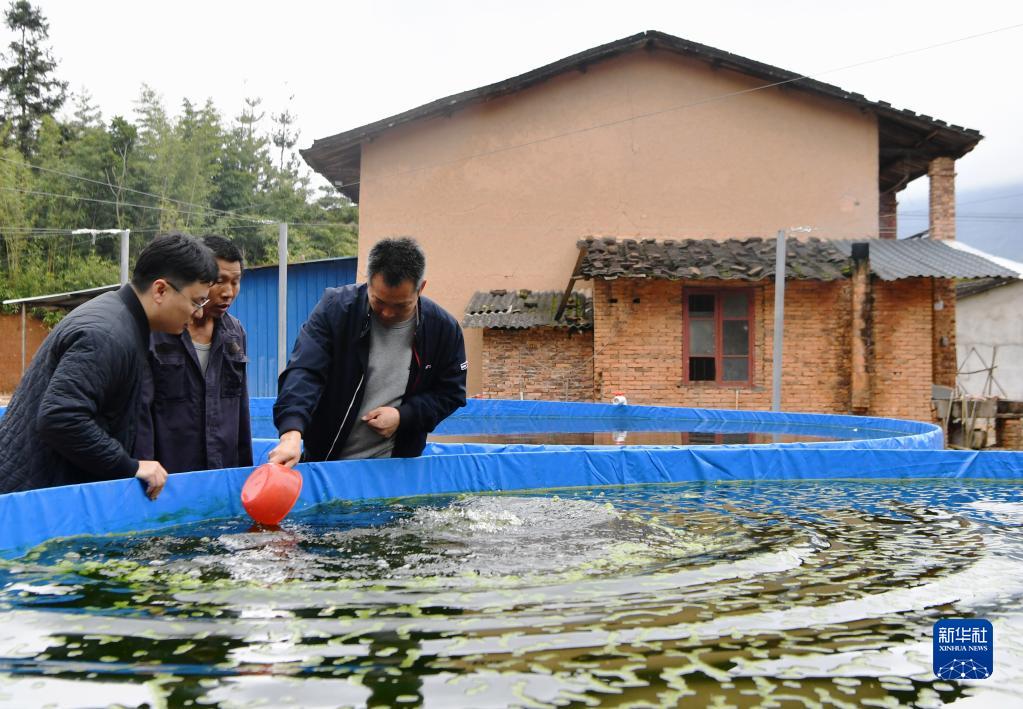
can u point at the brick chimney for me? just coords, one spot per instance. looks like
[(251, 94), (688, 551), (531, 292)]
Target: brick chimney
[(942, 175), (887, 222)]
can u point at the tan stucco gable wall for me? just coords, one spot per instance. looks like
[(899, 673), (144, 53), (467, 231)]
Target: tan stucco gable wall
[(509, 218)]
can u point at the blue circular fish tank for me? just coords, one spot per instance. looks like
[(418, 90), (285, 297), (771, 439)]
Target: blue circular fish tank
[(538, 554)]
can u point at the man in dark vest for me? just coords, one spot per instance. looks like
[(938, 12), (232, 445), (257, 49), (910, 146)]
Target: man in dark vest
[(195, 413), (375, 368), (74, 416)]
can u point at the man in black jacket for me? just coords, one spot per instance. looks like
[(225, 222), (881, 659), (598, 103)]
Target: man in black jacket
[(73, 417), (375, 368), (195, 412)]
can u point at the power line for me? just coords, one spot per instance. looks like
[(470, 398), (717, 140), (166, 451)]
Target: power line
[(259, 222), (995, 217), (211, 210), (89, 199), (990, 199), (701, 102), (321, 224)]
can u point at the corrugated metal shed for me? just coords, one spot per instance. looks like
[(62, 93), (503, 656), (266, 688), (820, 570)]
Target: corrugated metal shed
[(71, 299), (520, 310), (256, 307), (892, 259)]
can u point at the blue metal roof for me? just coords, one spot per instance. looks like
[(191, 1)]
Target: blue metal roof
[(256, 307)]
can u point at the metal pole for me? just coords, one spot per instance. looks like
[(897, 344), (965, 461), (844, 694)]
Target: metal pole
[(124, 256), (779, 319), (23, 339), (282, 296)]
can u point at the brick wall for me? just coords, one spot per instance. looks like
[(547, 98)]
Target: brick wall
[(638, 345), (10, 348), (637, 340), (943, 362), (1009, 433), (636, 348), (541, 363), (902, 366)]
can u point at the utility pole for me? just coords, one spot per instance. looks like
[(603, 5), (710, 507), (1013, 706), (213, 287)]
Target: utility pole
[(282, 296), (779, 319), (124, 233)]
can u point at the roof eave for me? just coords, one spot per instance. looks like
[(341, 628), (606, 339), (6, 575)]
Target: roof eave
[(338, 157)]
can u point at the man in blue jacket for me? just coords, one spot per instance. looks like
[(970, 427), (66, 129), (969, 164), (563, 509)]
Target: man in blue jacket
[(74, 416), (375, 368), (196, 406)]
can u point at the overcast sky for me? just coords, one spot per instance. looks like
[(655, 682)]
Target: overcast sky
[(347, 64)]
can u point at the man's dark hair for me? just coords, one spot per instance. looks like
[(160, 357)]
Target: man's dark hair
[(178, 258), (397, 261), (223, 248)]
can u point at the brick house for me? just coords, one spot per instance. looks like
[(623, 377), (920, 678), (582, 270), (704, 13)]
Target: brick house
[(651, 174)]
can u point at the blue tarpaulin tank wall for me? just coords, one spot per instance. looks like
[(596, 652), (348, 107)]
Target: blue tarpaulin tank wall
[(257, 304), (896, 450)]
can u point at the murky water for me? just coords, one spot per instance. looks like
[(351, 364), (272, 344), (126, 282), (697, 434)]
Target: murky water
[(740, 594)]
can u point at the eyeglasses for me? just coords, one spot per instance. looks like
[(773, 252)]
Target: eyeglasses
[(196, 307)]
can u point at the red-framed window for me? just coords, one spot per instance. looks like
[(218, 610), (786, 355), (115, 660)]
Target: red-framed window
[(717, 335)]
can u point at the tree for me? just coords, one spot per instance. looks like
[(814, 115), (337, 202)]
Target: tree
[(30, 90), (284, 135)]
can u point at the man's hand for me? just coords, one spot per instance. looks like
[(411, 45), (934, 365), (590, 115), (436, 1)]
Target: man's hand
[(153, 475), (289, 451), (384, 420)]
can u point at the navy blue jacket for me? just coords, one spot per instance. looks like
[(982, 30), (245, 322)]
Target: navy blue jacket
[(320, 391), (192, 422), (73, 417)]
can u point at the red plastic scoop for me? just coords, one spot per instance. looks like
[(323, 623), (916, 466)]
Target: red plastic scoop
[(270, 492)]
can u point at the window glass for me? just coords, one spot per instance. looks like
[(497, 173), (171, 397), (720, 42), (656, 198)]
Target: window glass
[(735, 305), (701, 337), (701, 305), (736, 369), (701, 369), (736, 337)]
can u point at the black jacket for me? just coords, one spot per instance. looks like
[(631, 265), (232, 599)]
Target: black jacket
[(320, 391), (74, 415), (195, 422)]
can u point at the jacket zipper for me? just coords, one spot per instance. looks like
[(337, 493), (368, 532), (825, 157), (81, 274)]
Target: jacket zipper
[(345, 419), (419, 369)]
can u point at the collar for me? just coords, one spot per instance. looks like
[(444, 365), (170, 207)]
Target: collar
[(131, 300), (221, 331)]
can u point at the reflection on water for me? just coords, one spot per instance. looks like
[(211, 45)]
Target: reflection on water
[(639, 438), (728, 593), (627, 430)]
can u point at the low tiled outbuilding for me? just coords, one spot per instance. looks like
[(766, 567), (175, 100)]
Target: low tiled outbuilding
[(691, 322)]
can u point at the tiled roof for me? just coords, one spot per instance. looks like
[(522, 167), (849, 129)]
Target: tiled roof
[(525, 309), (732, 259), (753, 259), (907, 141), (892, 259)]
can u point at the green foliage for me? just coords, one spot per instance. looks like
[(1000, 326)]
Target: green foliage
[(154, 171), (26, 77)]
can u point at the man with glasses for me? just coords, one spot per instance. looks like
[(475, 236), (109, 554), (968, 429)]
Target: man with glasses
[(375, 368), (74, 416), (195, 413)]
